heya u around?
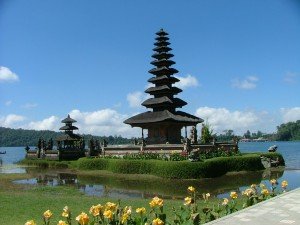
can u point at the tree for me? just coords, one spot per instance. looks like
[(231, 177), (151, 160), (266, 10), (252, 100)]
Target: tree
[(247, 134), (288, 131), (206, 133)]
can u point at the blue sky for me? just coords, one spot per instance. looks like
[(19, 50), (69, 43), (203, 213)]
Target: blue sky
[(238, 61)]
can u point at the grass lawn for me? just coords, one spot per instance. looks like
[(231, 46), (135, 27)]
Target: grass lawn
[(19, 203)]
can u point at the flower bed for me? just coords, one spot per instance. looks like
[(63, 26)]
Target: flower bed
[(189, 213)]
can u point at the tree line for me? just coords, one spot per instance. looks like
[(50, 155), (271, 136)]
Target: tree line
[(20, 137)]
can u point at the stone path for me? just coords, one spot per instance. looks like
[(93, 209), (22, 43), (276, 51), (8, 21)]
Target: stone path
[(280, 210)]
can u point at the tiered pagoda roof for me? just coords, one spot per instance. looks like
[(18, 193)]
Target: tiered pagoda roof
[(68, 128), (68, 124), (163, 103)]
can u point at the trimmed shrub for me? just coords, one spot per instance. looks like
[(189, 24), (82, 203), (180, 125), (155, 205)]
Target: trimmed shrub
[(43, 163), (175, 169), (169, 169), (92, 164)]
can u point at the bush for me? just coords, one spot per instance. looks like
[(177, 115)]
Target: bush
[(175, 169), (43, 163)]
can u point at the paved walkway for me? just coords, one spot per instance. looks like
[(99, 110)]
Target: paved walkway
[(280, 210)]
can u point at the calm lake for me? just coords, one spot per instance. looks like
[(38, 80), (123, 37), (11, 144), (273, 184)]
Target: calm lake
[(121, 187)]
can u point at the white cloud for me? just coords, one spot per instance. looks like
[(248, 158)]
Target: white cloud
[(135, 99), (290, 78), (51, 123), (8, 103), (290, 114), (11, 120), (223, 119), (30, 105), (103, 122), (248, 83), (186, 82), (6, 75)]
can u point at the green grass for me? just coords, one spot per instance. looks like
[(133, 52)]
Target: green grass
[(19, 203)]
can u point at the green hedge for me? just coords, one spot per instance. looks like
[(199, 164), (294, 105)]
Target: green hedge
[(43, 163), (176, 169)]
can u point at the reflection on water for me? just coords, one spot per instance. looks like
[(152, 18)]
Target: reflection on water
[(11, 168), (121, 187), (124, 187)]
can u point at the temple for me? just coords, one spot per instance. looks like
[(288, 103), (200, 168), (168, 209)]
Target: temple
[(69, 140), (164, 122)]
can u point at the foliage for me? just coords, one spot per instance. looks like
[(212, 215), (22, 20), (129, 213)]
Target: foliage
[(176, 169), (20, 137), (189, 213), (173, 156), (227, 135), (289, 131), (145, 156), (218, 152), (42, 163), (206, 133)]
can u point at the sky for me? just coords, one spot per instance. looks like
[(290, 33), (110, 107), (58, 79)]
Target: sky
[(238, 62)]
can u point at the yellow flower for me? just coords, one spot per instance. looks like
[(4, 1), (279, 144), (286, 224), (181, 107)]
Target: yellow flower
[(47, 214), (127, 210), (157, 221), (83, 219), (96, 209), (191, 189), (124, 218), (156, 201), (66, 212), (110, 206), (273, 181), (225, 201), (30, 222), (61, 222), (108, 214), (207, 195), (265, 191), (187, 201), (248, 192), (233, 195), (253, 186), (284, 184), (141, 210)]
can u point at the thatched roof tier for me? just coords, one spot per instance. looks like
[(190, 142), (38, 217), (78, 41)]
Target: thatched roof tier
[(163, 71), (164, 89), (162, 43), (68, 120), (164, 102), (162, 49), (164, 79), (162, 62), (68, 127), (162, 55), (162, 38), (161, 32), (145, 118)]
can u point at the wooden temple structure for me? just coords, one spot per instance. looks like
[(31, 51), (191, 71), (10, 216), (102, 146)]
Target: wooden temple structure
[(70, 146), (164, 122)]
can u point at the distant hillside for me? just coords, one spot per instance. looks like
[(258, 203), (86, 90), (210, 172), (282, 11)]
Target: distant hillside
[(19, 137), (289, 131)]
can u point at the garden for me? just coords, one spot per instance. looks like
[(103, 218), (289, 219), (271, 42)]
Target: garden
[(196, 208)]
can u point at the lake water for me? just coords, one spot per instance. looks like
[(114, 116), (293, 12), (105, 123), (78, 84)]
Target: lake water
[(121, 187)]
